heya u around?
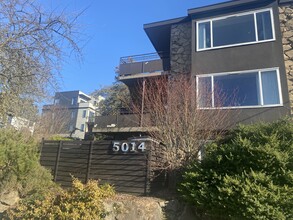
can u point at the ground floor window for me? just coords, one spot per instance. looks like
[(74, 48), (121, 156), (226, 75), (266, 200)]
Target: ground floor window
[(239, 89)]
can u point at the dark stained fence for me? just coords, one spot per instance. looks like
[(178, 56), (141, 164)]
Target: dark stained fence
[(129, 171)]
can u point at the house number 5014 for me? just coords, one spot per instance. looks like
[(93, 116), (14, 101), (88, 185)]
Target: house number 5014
[(128, 147)]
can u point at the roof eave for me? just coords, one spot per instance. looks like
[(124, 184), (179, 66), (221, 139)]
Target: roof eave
[(220, 6), (165, 22)]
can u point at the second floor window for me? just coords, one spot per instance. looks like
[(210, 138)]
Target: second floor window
[(73, 101), (246, 28), (56, 101)]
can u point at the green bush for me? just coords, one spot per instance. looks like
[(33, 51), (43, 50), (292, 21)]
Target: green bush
[(19, 164), (247, 175), (83, 201)]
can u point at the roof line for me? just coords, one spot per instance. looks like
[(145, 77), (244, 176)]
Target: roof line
[(164, 22), (231, 3)]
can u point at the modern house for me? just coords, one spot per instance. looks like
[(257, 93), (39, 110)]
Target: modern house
[(75, 109), (240, 45)]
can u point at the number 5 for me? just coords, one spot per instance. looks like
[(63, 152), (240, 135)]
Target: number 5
[(116, 146)]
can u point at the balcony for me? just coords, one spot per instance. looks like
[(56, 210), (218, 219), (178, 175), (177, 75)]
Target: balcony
[(145, 65), (86, 105), (122, 123)]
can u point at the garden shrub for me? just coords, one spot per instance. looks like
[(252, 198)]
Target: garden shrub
[(19, 164), (247, 175), (82, 201)]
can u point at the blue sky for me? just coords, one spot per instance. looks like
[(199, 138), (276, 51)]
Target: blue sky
[(114, 29)]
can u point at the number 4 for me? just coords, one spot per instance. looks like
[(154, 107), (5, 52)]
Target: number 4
[(141, 147)]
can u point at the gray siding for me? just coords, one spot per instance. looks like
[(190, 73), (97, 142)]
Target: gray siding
[(246, 57)]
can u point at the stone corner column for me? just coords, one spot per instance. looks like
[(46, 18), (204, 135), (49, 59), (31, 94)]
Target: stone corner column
[(286, 23)]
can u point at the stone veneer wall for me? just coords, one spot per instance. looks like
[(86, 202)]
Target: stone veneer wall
[(286, 20), (180, 43)]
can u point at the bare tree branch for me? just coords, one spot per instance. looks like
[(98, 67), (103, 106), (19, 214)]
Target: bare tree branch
[(33, 44), (181, 126)]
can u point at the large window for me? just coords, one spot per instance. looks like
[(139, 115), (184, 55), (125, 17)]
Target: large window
[(239, 89), (247, 28)]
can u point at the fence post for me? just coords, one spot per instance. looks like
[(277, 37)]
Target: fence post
[(57, 160), (89, 161), (148, 170)]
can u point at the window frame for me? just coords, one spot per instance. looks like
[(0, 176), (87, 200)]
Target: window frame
[(257, 41), (56, 101), (84, 113), (74, 101), (262, 105)]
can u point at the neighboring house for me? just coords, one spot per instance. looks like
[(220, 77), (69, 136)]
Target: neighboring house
[(75, 109), (243, 45), (20, 123)]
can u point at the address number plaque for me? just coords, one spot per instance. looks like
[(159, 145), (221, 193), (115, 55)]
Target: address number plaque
[(128, 147)]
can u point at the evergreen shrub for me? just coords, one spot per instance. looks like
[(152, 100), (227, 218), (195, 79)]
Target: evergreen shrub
[(20, 169), (247, 175)]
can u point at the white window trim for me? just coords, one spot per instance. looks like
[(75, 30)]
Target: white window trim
[(243, 72), (233, 15)]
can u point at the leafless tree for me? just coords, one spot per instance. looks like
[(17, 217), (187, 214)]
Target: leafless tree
[(55, 120), (176, 119), (32, 48)]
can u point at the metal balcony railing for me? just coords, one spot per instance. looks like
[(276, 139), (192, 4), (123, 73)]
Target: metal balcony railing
[(117, 121), (122, 118), (142, 64), (141, 58)]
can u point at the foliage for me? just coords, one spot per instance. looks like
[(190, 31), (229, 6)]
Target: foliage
[(19, 164), (115, 97), (33, 42), (248, 175), (83, 201)]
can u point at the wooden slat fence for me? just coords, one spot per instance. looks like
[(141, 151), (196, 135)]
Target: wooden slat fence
[(129, 172)]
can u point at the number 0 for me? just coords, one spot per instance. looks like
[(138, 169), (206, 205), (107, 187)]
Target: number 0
[(124, 147)]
